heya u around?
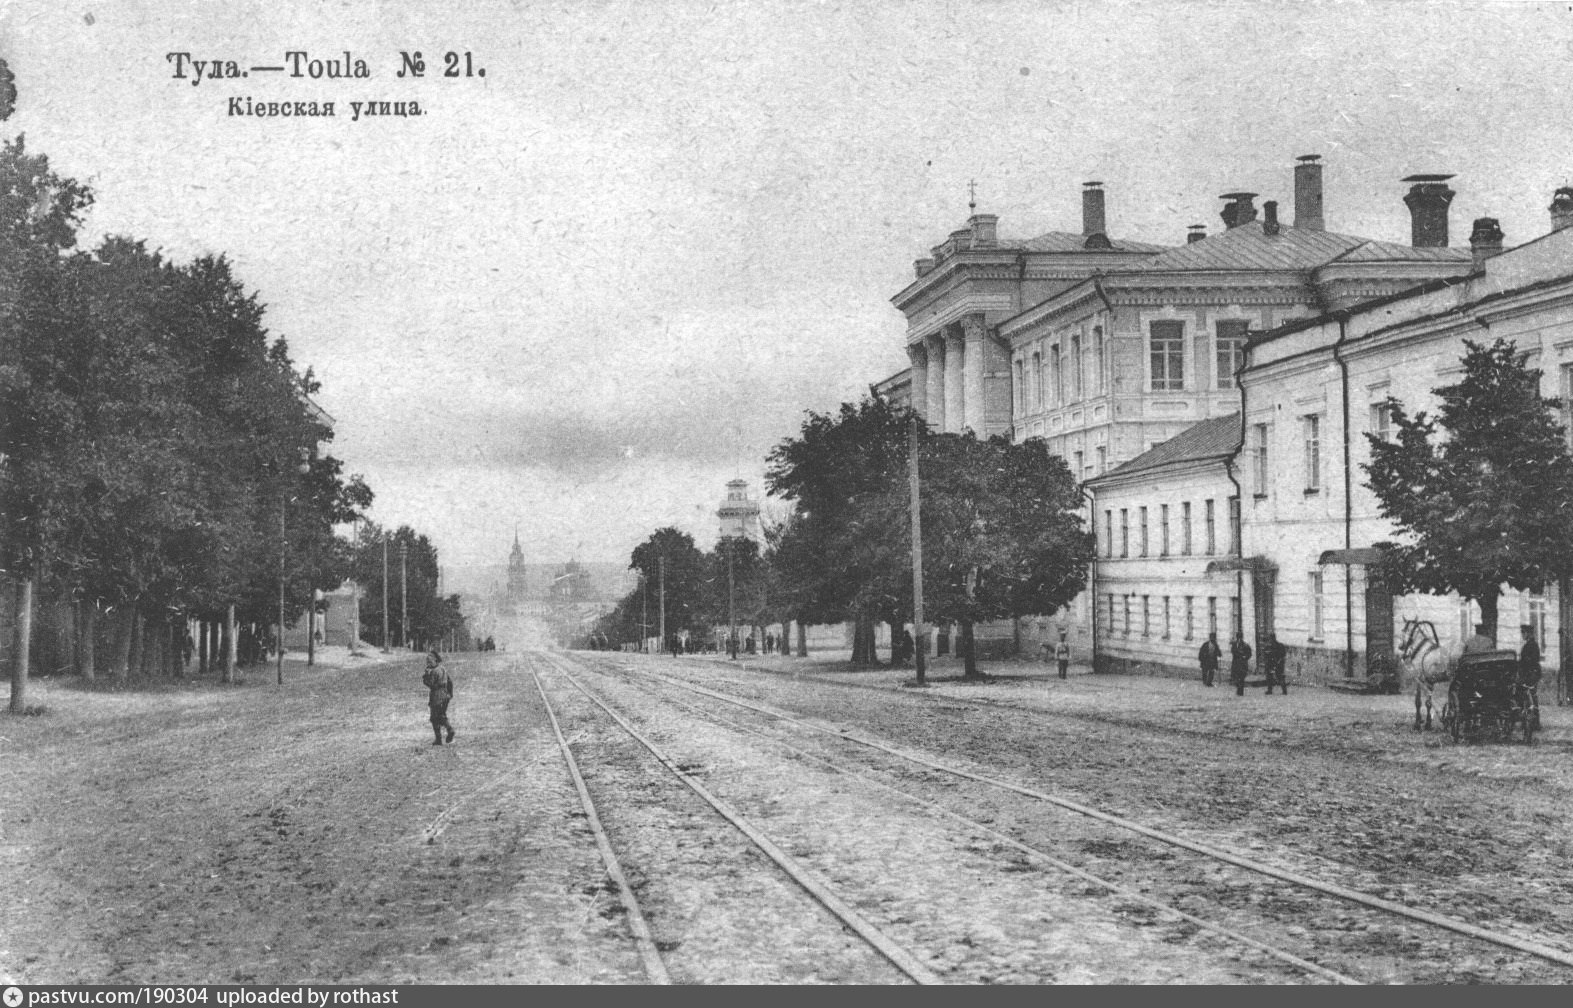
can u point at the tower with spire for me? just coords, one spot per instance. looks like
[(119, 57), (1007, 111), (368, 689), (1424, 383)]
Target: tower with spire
[(516, 578), (739, 513)]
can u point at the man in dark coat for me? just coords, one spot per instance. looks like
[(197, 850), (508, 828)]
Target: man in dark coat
[(1239, 663), (1273, 657), (1529, 658), (440, 693), (1209, 656)]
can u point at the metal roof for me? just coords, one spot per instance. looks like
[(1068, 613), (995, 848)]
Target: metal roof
[(1065, 241), (1215, 438), (1292, 248)]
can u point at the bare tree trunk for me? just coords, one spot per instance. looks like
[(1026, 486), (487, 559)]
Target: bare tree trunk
[(202, 647), (138, 645), (87, 642), (802, 640), (863, 642), (1488, 614), (24, 645), (968, 652), (120, 659), (231, 632)]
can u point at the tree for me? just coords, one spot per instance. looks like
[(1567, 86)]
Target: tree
[(670, 558), (1484, 491)]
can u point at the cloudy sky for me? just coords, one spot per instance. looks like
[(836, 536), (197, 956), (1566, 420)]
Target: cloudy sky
[(583, 291)]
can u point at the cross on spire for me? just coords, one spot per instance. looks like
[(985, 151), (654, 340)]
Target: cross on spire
[(972, 196)]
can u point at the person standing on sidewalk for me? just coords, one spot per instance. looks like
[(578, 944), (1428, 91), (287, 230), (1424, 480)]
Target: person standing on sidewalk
[(1273, 656), (439, 685), (1209, 656), (1239, 663), (1062, 655)]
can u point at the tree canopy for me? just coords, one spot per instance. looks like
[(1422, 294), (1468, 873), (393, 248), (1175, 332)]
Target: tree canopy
[(1483, 490)]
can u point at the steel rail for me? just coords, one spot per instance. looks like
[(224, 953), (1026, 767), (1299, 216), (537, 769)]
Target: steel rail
[(1034, 852), (1282, 874), (649, 954), (898, 956)]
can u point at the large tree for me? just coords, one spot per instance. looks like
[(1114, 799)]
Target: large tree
[(669, 559), (1484, 491)]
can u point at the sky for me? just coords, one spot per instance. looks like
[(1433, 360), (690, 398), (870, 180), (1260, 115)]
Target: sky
[(582, 292)]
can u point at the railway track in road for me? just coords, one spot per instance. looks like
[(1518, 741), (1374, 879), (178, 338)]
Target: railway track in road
[(822, 892), (1361, 902)]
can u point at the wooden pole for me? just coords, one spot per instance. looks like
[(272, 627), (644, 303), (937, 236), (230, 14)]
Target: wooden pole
[(919, 641)]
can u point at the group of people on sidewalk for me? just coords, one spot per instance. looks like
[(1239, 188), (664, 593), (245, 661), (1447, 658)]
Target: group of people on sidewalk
[(1274, 654)]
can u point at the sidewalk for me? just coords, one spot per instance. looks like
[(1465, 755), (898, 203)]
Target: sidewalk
[(1313, 717)]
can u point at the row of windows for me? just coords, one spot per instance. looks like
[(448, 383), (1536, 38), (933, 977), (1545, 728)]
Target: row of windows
[(1311, 434), (1067, 373), (1185, 543), (1160, 615)]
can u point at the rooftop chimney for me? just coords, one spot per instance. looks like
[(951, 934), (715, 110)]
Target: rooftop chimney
[(1270, 217), (1196, 233), (922, 267), (1427, 200), (1239, 210), (1092, 219), (984, 230), (1562, 208), (1485, 240), (1308, 192)]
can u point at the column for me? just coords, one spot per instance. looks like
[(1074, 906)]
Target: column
[(935, 345), (973, 332), (918, 354), (955, 396)]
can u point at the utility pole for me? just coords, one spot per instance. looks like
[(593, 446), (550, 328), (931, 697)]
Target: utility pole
[(404, 595), (919, 641), (663, 601), (280, 641), (731, 598), (384, 592), (644, 614)]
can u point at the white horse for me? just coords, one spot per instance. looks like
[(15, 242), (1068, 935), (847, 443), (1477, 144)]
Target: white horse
[(1424, 663)]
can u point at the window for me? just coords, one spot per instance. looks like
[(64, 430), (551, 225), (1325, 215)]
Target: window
[(1144, 531), (1127, 615), (1110, 625), (1166, 345), (1077, 473), (1125, 532), (1036, 378), (1108, 533), (1190, 617), (1146, 615), (1234, 525), (1534, 615), (1382, 421), (1259, 459), (1102, 454), (1212, 530), (1057, 369), (1097, 360), (1312, 427), (1235, 624), (1314, 603), (1163, 531), (1166, 624), (1185, 528), (1075, 367), (1230, 350), (1019, 396), (1468, 616), (1212, 614)]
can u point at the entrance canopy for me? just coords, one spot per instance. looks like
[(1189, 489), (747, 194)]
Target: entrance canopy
[(1367, 556), (1250, 563)]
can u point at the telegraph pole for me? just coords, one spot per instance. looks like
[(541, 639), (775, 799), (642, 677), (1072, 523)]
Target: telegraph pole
[(663, 602), (731, 599), (281, 593), (384, 592), (404, 595), (920, 643)]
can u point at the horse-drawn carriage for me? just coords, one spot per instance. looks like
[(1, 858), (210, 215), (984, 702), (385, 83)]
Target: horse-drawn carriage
[(1487, 696)]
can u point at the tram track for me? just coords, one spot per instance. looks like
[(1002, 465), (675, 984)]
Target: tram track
[(1323, 889)]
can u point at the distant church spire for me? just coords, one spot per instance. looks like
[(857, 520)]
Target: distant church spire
[(972, 197)]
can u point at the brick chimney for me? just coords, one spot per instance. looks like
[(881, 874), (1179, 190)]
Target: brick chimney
[(1485, 240), (1093, 225), (1308, 192), (1239, 209), (1195, 233), (1427, 200), (1270, 217), (985, 230), (1562, 208)]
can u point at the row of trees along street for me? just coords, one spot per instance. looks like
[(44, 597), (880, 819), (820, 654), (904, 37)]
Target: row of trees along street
[(1002, 536), (160, 459)]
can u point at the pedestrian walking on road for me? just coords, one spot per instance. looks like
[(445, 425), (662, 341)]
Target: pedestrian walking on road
[(1062, 655), (1273, 656), (1239, 663), (440, 686), (1209, 656)]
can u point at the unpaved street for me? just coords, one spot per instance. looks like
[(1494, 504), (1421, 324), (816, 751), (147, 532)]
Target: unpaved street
[(200, 833)]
